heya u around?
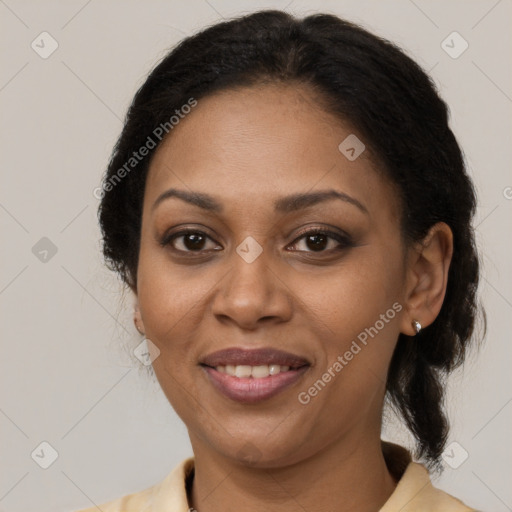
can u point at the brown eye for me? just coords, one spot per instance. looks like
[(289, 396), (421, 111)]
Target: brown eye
[(194, 241), (189, 241), (317, 240)]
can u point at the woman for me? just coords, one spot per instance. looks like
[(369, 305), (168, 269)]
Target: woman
[(292, 213)]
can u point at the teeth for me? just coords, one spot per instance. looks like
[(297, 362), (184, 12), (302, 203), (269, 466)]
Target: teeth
[(242, 371), (256, 372), (259, 372)]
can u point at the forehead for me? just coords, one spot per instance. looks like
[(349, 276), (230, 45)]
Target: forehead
[(261, 142)]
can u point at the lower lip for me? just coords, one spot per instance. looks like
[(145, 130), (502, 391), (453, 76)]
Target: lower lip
[(249, 390)]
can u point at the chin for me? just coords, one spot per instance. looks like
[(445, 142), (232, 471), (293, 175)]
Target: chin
[(259, 454)]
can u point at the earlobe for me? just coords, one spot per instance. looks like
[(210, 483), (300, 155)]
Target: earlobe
[(428, 278), (137, 319)]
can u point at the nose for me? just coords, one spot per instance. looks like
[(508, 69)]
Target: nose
[(252, 294)]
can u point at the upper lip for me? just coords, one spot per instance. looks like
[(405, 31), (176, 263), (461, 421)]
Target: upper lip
[(253, 357)]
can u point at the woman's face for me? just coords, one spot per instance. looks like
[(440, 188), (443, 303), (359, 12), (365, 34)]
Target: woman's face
[(266, 165)]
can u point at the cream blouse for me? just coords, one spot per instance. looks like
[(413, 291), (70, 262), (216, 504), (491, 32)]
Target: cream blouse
[(413, 493)]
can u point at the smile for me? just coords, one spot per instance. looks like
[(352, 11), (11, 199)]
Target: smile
[(251, 376)]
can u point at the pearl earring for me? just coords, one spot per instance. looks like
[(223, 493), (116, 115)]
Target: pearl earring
[(417, 326)]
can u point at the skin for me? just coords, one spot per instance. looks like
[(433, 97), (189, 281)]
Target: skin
[(247, 148)]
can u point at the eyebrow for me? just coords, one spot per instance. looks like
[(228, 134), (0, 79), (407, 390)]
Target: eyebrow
[(285, 204)]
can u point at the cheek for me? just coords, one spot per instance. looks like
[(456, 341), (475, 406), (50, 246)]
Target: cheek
[(169, 301), (356, 309), (353, 296), (168, 296)]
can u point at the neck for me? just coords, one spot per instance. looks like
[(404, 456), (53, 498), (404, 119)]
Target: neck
[(347, 476)]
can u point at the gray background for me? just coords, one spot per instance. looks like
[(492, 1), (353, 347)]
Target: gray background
[(67, 374)]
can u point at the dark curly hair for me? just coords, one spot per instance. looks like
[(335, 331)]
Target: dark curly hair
[(392, 103)]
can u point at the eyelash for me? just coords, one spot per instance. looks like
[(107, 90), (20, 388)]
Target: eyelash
[(343, 239)]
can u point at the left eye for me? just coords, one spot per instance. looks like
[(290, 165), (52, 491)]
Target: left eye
[(322, 241)]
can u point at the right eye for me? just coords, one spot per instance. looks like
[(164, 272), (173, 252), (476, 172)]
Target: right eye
[(188, 241)]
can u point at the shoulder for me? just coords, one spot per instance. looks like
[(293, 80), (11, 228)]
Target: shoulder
[(414, 491), (170, 494), (139, 501)]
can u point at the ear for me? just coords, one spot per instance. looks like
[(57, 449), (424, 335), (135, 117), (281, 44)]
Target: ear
[(137, 318), (427, 277)]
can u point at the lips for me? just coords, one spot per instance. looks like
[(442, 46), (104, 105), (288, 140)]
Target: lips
[(251, 376)]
